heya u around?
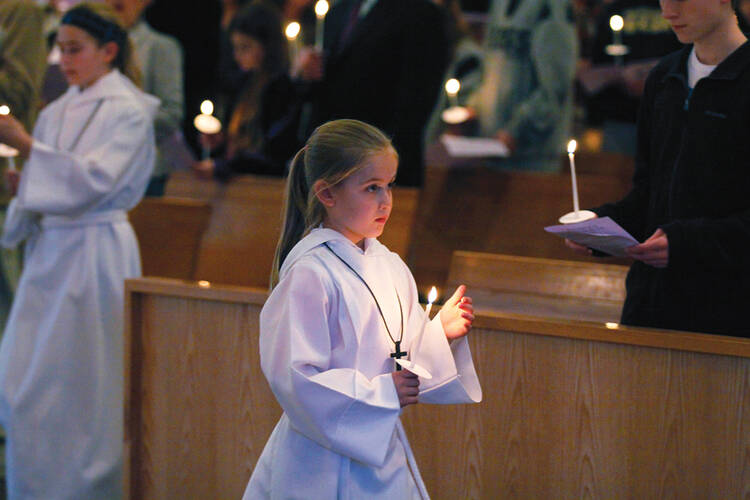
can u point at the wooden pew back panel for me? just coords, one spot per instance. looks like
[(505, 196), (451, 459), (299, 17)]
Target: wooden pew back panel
[(241, 239), (547, 287), (169, 232)]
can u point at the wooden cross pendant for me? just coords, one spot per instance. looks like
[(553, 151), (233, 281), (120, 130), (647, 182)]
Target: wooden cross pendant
[(398, 354)]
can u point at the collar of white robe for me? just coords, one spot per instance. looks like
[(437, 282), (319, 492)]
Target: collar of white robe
[(398, 353)]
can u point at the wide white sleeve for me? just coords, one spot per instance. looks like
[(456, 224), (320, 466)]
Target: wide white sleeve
[(62, 183), (338, 408), (454, 379)]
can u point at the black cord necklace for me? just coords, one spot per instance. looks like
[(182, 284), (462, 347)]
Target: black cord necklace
[(398, 354)]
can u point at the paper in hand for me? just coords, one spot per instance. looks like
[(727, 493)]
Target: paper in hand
[(473, 147), (601, 234)]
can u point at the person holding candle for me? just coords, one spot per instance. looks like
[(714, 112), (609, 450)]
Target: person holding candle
[(383, 62), (525, 98), (263, 118), (689, 198), (612, 105), (61, 357), (341, 309)]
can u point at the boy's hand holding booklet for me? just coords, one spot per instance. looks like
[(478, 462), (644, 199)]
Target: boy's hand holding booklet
[(601, 234)]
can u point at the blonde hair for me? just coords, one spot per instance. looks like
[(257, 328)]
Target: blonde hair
[(334, 151), (84, 16)]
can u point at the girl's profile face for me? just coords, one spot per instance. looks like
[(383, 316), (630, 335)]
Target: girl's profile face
[(248, 51), (83, 59), (359, 206)]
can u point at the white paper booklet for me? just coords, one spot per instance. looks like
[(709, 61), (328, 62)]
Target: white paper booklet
[(602, 234), (473, 147)]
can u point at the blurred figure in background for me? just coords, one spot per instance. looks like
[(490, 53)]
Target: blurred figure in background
[(526, 96), (160, 59), (196, 25), (743, 15), (613, 96), (23, 54), (465, 65), (262, 118), (61, 357), (383, 63)]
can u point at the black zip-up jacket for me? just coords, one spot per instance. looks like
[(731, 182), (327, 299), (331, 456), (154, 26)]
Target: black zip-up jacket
[(692, 179)]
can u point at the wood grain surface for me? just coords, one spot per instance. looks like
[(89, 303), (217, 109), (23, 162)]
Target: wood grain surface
[(571, 409)]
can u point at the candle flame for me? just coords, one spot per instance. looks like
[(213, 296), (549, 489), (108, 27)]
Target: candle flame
[(616, 22), (4, 110), (292, 30), (321, 8), (572, 145), (452, 86), (612, 326), (204, 284), (207, 107), (432, 295)]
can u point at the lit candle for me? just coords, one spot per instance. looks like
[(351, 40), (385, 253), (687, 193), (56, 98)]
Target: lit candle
[(292, 32), (452, 87), (571, 156), (410, 364), (577, 215), (7, 151), (616, 23), (206, 123), (321, 9)]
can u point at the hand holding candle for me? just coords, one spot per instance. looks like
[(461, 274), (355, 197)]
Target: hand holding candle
[(206, 123), (455, 114), (5, 150), (616, 48), (292, 32)]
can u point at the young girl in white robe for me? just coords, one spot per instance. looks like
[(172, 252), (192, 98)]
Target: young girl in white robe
[(61, 357), (342, 307)]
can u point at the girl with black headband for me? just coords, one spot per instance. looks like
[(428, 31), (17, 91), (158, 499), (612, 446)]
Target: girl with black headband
[(61, 369)]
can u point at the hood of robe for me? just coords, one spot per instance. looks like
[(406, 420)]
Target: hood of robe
[(115, 84), (321, 235)]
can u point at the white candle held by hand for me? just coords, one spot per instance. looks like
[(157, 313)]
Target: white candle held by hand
[(206, 123), (321, 9), (292, 32), (410, 364), (576, 215), (5, 150)]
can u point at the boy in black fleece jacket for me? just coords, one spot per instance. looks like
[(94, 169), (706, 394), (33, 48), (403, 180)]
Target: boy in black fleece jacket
[(691, 195)]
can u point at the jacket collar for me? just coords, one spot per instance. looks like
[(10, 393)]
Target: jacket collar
[(728, 69)]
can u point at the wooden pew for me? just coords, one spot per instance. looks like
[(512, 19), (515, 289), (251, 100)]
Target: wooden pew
[(239, 244), (553, 288), (473, 206), (571, 409), (169, 232)]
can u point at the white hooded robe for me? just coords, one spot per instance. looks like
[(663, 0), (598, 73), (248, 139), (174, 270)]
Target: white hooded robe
[(326, 354), (61, 357)]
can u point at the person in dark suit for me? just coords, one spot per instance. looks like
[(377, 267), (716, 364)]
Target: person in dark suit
[(383, 63)]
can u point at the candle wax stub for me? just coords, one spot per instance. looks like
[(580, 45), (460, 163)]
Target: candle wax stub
[(455, 115), (207, 124), (7, 151), (616, 49), (573, 217)]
